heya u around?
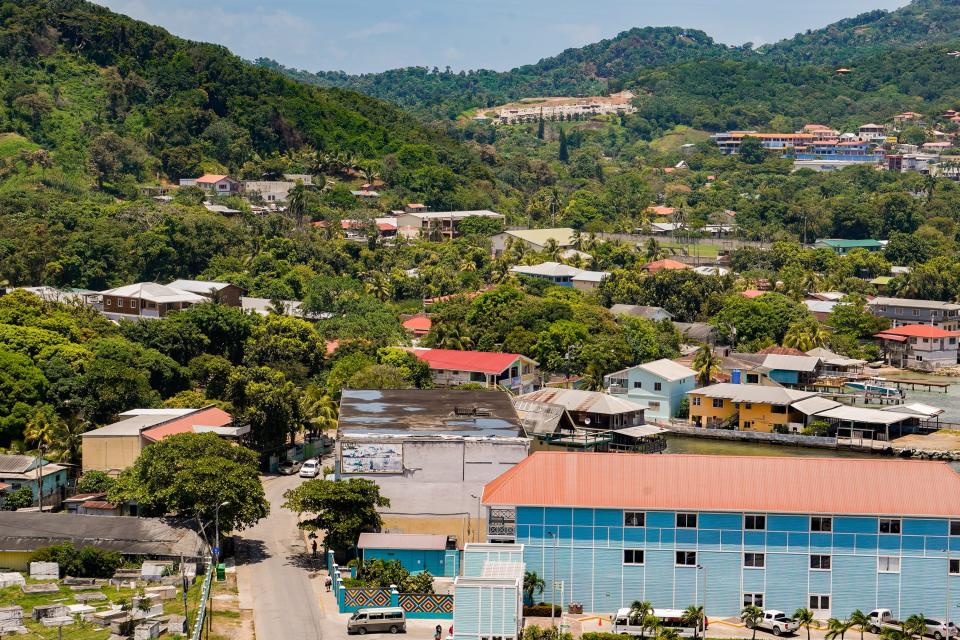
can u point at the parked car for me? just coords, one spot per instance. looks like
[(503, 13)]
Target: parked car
[(940, 629), (310, 469), (883, 619), (290, 467), (776, 622), (363, 621)]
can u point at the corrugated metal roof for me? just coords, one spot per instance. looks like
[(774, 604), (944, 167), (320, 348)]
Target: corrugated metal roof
[(478, 361), (16, 463), (752, 393), (668, 369), (882, 301), (419, 541), (790, 363), (865, 416), (814, 405), (915, 408), (729, 483), (563, 236), (585, 401)]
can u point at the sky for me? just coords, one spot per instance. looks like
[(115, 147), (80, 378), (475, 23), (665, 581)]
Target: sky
[(375, 35)]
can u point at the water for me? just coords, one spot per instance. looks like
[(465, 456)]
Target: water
[(708, 446), (949, 401)]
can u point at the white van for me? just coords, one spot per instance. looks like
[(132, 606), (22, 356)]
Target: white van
[(668, 618), (380, 620), (310, 468)]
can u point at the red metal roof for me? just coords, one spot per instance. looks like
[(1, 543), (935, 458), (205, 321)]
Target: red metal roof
[(916, 331), (666, 264), (478, 361), (750, 294), (209, 417), (418, 323), (730, 483), (98, 504), (210, 178)]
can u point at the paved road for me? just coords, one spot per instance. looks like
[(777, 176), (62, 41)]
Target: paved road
[(284, 602)]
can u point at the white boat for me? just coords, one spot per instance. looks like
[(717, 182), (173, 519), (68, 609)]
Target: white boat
[(877, 386)]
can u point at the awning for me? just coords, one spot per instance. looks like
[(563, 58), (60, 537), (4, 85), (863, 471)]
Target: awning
[(641, 431), (890, 336)]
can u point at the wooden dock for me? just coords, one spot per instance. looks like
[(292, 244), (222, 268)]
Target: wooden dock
[(927, 385)]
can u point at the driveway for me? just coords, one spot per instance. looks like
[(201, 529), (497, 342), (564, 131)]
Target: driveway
[(278, 571)]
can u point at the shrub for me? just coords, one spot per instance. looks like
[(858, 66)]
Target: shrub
[(817, 428), (86, 562), (542, 610), (95, 482), (600, 635), (419, 583), (18, 499)]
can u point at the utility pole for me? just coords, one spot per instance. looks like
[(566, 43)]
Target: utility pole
[(553, 580)]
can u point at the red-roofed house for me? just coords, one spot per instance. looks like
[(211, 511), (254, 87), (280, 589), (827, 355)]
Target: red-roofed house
[(214, 183), (451, 368), (921, 347), (750, 294), (665, 265), (418, 325)]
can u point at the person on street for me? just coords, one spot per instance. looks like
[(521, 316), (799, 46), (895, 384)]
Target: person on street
[(328, 582), (314, 546), (438, 633)]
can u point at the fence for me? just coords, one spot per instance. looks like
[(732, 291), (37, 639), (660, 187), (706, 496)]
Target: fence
[(416, 605), (795, 439), (202, 610)]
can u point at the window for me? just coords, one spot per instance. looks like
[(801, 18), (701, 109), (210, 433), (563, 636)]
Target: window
[(686, 558), (755, 599), (955, 527), (696, 401), (889, 525), (820, 523), (888, 564), (820, 602), (133, 304), (955, 566), (109, 302), (658, 386), (654, 406), (393, 615), (748, 405), (754, 560), (638, 384), (755, 523), (686, 521), (718, 403), (820, 563), (633, 556), (916, 312), (120, 303), (778, 409), (634, 518)]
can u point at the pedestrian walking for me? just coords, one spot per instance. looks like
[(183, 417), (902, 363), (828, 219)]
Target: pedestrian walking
[(438, 633), (314, 546), (328, 582)]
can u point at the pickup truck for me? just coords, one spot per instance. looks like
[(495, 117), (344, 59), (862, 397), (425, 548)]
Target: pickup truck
[(883, 619), (776, 622)]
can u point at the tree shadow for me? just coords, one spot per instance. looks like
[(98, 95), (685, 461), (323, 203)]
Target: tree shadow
[(252, 552), (304, 560)]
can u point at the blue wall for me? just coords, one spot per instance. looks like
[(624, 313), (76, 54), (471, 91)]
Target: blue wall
[(669, 396), (588, 555), (413, 560)]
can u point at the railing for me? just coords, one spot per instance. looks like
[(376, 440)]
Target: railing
[(202, 610)]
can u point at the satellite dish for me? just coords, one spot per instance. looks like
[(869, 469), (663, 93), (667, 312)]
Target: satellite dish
[(586, 421)]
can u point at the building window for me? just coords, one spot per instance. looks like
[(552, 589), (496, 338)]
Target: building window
[(686, 521), (889, 525), (821, 523), (888, 564), (755, 599), (718, 403), (748, 405), (696, 401), (820, 602), (120, 303), (637, 384), (133, 304), (686, 558), (657, 386), (820, 562), (955, 527), (654, 406), (108, 302), (916, 312), (633, 556), (778, 409), (754, 560), (755, 523), (955, 566), (634, 518)]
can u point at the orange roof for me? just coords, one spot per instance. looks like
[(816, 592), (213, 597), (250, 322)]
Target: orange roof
[(729, 483), (209, 417), (782, 351), (418, 324), (665, 265), (917, 331), (750, 294), (661, 210), (332, 346), (211, 178)]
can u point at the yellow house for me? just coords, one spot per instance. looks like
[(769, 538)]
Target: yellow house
[(748, 407)]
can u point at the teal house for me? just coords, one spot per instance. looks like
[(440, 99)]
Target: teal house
[(843, 247), (488, 597), (436, 554), (661, 384), (22, 471)]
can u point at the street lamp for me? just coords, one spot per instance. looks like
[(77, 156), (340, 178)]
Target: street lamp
[(216, 533), (700, 566), (553, 579)]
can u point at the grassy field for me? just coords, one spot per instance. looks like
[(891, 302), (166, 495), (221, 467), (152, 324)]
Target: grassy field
[(705, 250), (671, 141)]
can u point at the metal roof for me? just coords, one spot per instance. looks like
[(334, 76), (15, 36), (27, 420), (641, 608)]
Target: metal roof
[(546, 269), (16, 463), (490, 362), (790, 363), (585, 401), (427, 412), (915, 408), (591, 276), (642, 431), (27, 531), (420, 541), (668, 369), (563, 236), (910, 303), (730, 484), (814, 405), (538, 417), (752, 393), (865, 416), (153, 292), (639, 311), (198, 286)]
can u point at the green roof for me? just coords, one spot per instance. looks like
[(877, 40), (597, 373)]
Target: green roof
[(850, 244), (881, 280)]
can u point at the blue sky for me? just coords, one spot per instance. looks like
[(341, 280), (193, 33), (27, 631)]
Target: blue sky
[(375, 35)]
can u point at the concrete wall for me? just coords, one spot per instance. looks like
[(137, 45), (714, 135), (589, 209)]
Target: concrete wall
[(110, 454)]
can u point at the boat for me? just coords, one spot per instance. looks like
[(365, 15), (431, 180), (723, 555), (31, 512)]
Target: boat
[(876, 386)]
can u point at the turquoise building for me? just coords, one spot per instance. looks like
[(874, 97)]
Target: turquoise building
[(18, 471), (832, 535), (488, 597), (661, 384), (436, 554)]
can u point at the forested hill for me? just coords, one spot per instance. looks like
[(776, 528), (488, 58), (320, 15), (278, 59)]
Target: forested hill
[(78, 79), (922, 22), (610, 64), (593, 69)]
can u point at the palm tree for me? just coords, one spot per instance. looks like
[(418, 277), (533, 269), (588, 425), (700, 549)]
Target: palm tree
[(837, 628), (915, 625), (654, 251), (297, 203), (592, 379), (639, 609), (39, 431), (805, 335), (667, 634), (860, 620), (804, 618), (650, 623), (706, 364), (892, 633), (752, 615), (67, 438), (551, 249), (532, 584), (320, 409), (693, 617)]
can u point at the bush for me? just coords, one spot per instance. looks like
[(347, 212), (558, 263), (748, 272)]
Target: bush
[(600, 635), (95, 482), (418, 583), (542, 610), (536, 633), (86, 562), (19, 499), (817, 428)]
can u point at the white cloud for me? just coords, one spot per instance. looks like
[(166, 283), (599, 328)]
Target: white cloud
[(375, 29)]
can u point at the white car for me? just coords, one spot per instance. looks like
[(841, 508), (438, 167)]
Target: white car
[(939, 629), (310, 469), (776, 622)]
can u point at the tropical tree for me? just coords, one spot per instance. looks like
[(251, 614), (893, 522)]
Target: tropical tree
[(752, 615), (39, 431), (651, 624), (343, 510), (639, 609), (892, 633), (806, 334), (653, 251), (693, 616), (860, 620), (297, 203), (837, 628), (804, 618), (320, 409), (551, 249), (68, 438), (707, 365), (915, 626), (532, 584), (666, 633)]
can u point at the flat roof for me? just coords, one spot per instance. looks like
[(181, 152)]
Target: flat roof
[(864, 415), (911, 303), (428, 412), (730, 484), (420, 541), (563, 235)]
